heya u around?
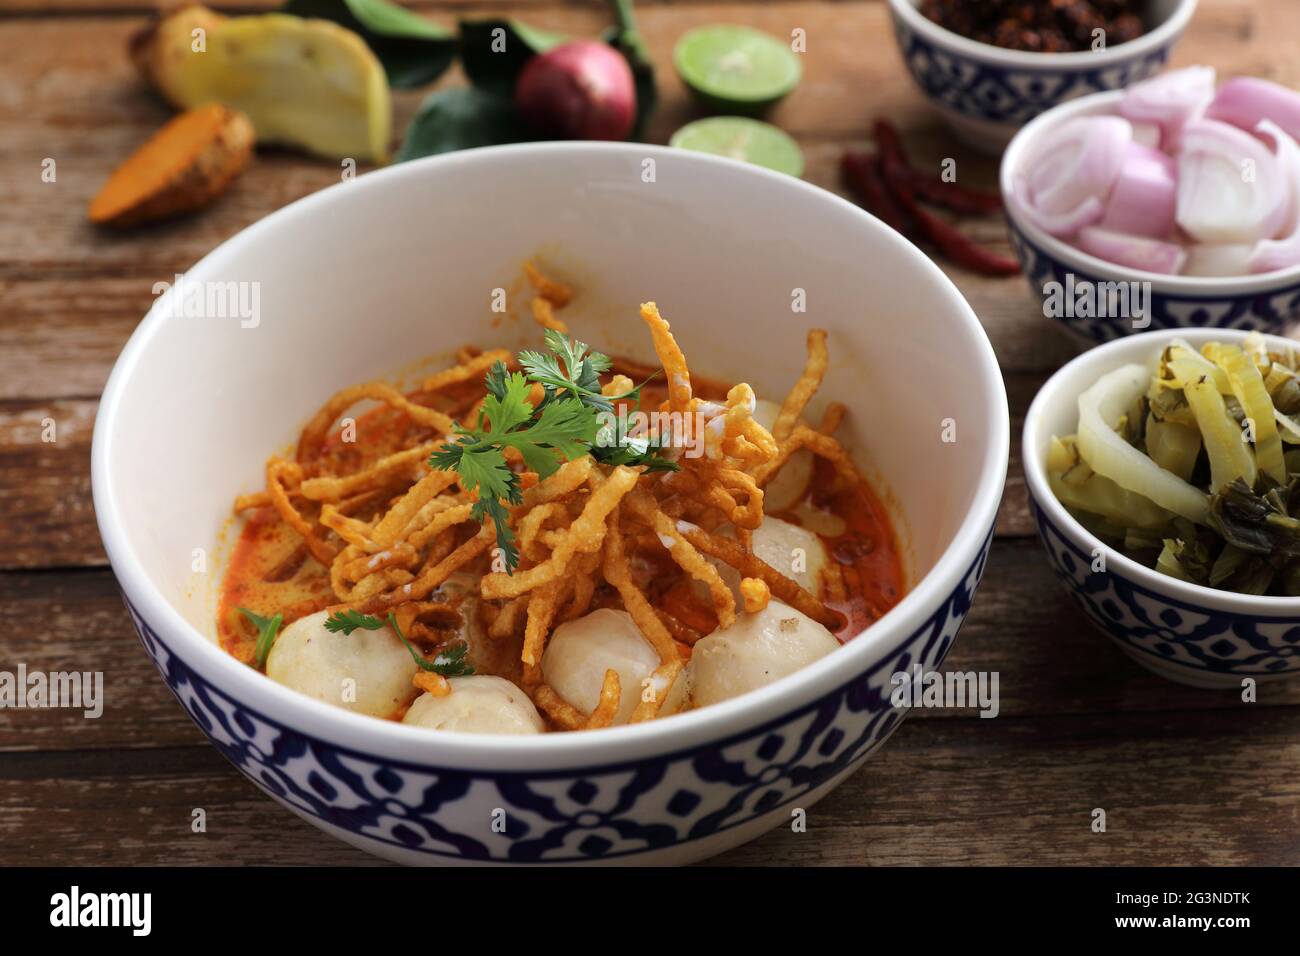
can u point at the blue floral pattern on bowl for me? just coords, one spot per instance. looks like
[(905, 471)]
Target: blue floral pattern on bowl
[(1175, 639), (405, 810), (1005, 95), (1267, 312)]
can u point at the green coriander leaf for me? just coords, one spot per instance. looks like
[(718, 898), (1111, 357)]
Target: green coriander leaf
[(415, 654), (447, 457), (545, 369), (492, 508), (585, 380), (569, 349), (268, 628), (451, 661), (574, 354), (483, 468), (565, 424), (349, 620), (539, 458), (495, 381), (510, 409), (569, 369)]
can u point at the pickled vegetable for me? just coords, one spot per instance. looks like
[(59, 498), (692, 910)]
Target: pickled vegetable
[(1187, 466)]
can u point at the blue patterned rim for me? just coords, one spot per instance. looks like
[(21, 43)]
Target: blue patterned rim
[(1193, 636), (577, 814), (1250, 312)]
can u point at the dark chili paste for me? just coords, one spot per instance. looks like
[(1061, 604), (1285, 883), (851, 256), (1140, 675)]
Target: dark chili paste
[(1040, 26)]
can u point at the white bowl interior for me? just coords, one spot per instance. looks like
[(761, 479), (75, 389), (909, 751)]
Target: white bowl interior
[(362, 279)]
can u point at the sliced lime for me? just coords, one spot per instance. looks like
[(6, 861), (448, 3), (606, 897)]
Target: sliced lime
[(737, 137), (736, 69)]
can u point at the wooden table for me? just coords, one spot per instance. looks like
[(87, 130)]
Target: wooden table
[(1185, 776)]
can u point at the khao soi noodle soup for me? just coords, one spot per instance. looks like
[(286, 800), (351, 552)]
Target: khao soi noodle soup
[(556, 540)]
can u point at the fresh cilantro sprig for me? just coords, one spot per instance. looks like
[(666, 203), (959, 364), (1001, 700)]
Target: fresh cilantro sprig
[(448, 663), (268, 628), (563, 426), (349, 620), (507, 420), (451, 661), (570, 369)]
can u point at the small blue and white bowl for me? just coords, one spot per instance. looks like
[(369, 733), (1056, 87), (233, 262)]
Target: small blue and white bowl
[(1186, 632), (986, 93), (352, 283), (1057, 270)]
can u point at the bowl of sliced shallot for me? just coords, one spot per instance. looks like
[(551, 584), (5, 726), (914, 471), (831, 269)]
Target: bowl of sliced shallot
[(1173, 204)]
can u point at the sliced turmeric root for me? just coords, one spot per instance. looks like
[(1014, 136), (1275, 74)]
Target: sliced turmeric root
[(184, 166)]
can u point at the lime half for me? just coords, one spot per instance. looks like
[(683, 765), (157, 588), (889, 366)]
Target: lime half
[(737, 137), (736, 69)]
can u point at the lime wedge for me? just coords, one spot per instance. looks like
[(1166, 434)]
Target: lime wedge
[(736, 69), (737, 137)]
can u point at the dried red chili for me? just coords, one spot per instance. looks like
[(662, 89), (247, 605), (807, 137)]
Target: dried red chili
[(888, 185), (863, 173), (932, 188), (1040, 26), (957, 247)]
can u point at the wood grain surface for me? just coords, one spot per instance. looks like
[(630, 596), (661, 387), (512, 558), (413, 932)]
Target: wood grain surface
[(1186, 776)]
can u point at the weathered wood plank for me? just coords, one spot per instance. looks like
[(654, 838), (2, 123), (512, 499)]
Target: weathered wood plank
[(59, 337), (1049, 660), (47, 517), (1198, 788), (137, 808), (1203, 788)]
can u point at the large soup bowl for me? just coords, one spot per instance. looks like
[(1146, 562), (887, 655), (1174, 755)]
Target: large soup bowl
[(357, 281)]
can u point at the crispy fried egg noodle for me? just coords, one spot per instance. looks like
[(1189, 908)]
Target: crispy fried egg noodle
[(638, 592)]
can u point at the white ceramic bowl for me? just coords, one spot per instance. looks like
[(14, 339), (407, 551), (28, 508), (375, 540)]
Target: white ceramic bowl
[(1263, 303), (1188, 633), (986, 93), (358, 280)]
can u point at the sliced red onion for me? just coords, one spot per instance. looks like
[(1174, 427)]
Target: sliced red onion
[(1136, 252), (1170, 101), (1245, 102), (1217, 261), (1230, 187), (1271, 255), (1145, 195), (1147, 134), (1077, 161), (1063, 226)]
